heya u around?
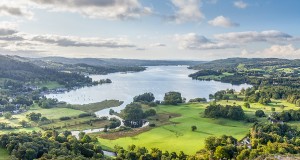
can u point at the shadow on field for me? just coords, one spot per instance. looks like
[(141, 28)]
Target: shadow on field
[(203, 132)]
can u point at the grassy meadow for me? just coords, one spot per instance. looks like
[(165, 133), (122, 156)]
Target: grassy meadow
[(179, 136)]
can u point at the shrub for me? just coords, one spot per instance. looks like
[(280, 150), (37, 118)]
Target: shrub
[(64, 118), (152, 125), (246, 105), (260, 113), (194, 128), (251, 120), (84, 115)]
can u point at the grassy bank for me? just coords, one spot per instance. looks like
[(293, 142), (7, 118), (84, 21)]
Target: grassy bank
[(94, 107)]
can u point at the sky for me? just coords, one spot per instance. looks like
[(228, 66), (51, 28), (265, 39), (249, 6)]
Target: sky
[(151, 29)]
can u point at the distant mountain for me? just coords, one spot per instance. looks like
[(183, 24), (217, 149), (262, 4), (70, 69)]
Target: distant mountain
[(117, 62), (233, 63)]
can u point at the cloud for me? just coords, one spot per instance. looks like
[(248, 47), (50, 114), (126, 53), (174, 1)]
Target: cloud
[(70, 41), (7, 31), (103, 9), (140, 49), (158, 45), (271, 36), (13, 40), (15, 9), (197, 42), (222, 21), (187, 11), (278, 51), (240, 4)]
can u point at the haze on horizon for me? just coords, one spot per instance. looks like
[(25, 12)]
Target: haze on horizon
[(156, 29)]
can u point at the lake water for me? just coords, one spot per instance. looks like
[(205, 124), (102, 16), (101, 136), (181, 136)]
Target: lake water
[(156, 79)]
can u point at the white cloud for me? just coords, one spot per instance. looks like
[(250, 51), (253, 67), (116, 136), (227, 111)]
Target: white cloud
[(271, 36), (157, 45), (240, 4), (278, 51), (222, 21), (194, 41), (16, 8), (7, 31), (187, 11), (71, 41), (13, 40), (197, 42), (103, 9)]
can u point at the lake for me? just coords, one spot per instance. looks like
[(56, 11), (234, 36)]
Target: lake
[(155, 79)]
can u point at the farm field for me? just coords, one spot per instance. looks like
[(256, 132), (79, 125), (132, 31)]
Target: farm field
[(179, 136)]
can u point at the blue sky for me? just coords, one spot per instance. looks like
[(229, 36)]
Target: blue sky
[(151, 29)]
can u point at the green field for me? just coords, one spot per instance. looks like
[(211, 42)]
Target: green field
[(178, 136), (55, 113), (214, 77), (4, 154), (50, 85)]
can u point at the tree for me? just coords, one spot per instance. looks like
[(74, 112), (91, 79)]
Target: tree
[(150, 112), (133, 111), (111, 112), (34, 116), (259, 113), (146, 97), (221, 153), (172, 98), (194, 128), (7, 115), (246, 105), (23, 123)]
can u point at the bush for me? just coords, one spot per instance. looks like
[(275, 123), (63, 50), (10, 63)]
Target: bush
[(84, 115), (150, 112), (260, 113), (246, 105), (152, 125), (173, 98), (251, 120), (114, 123), (152, 104), (146, 97), (64, 118), (194, 128), (7, 115), (198, 100)]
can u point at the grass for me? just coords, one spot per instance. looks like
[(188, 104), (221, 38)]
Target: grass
[(77, 124), (214, 77), (55, 113), (286, 70), (4, 154), (178, 136), (50, 85), (94, 107)]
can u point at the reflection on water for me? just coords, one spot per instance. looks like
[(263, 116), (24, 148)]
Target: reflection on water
[(156, 79)]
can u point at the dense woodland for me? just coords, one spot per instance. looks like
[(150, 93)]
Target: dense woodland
[(50, 145), (271, 78), (19, 72)]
